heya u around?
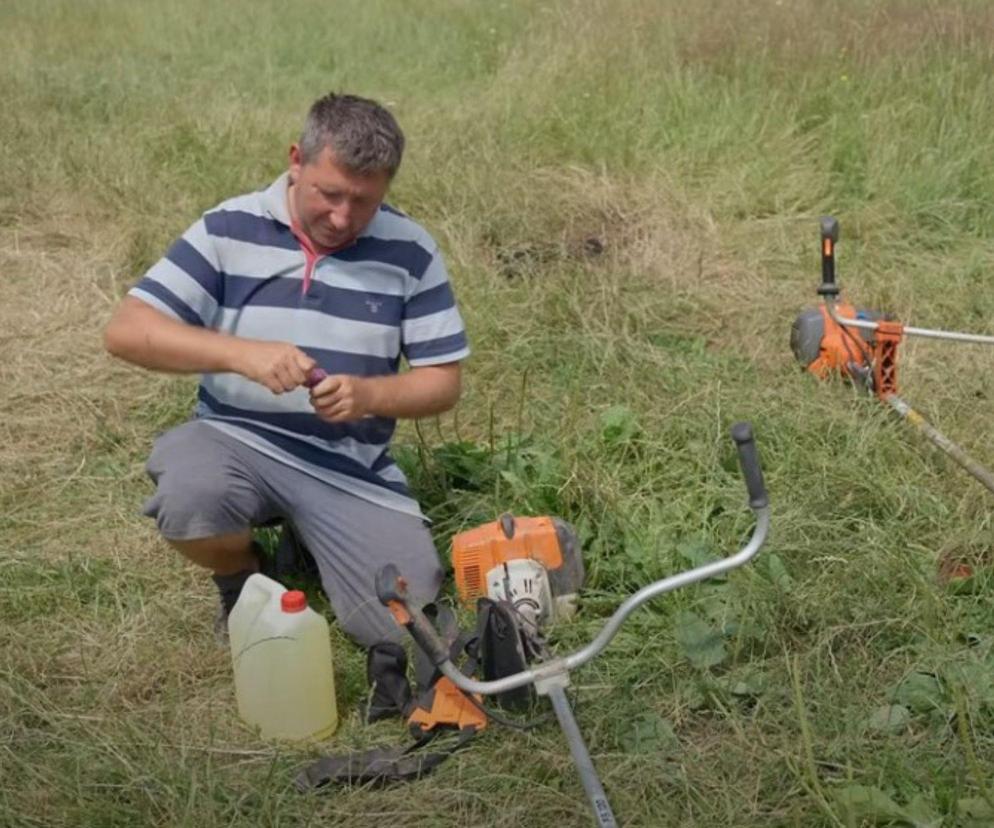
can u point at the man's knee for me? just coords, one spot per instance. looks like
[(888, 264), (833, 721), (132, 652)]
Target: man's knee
[(369, 622), (425, 580), (192, 508), (203, 488)]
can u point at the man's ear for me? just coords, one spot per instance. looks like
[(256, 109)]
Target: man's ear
[(296, 161)]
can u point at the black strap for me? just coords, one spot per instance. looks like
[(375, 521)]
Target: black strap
[(499, 649), (380, 766)]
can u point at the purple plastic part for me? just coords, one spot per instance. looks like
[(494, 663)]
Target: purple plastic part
[(314, 376)]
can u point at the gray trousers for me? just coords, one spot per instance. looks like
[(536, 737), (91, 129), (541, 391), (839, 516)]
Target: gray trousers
[(208, 484)]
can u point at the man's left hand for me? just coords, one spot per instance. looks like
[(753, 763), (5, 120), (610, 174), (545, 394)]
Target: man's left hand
[(342, 398)]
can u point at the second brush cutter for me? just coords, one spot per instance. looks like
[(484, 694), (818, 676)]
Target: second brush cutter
[(862, 345)]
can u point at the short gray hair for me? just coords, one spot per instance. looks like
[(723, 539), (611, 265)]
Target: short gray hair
[(364, 136)]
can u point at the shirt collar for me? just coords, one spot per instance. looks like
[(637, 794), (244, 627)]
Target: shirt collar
[(274, 199)]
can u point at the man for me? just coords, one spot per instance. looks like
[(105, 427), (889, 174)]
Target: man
[(315, 272)]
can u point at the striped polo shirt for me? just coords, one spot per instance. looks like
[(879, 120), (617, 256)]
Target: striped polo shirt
[(240, 270)]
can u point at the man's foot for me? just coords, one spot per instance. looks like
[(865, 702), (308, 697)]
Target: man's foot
[(230, 588), (292, 558)]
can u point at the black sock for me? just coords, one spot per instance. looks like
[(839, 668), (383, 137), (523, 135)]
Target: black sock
[(230, 587)]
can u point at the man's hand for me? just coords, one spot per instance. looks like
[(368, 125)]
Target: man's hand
[(279, 366), (342, 398), (420, 392)]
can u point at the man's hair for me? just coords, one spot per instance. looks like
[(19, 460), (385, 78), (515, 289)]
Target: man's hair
[(364, 137)]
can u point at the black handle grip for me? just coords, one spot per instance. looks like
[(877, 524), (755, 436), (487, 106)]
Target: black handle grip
[(829, 236), (391, 588), (749, 461), (830, 228)]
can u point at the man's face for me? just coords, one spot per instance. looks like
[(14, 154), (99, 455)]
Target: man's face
[(333, 204)]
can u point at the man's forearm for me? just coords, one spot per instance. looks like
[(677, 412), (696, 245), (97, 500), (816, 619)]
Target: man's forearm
[(141, 335), (420, 392)]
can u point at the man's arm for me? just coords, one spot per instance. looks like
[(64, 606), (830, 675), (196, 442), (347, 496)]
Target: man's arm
[(420, 392), (142, 335)]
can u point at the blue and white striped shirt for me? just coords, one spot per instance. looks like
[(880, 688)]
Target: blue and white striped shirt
[(240, 270)]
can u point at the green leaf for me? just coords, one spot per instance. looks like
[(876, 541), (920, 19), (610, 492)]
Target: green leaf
[(698, 552), (700, 642), (650, 733), (920, 692), (919, 813), (778, 572), (746, 684), (868, 805), (618, 425), (891, 718), (864, 803)]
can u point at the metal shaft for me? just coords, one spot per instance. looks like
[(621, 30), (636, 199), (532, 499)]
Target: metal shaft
[(981, 473), (585, 766), (908, 330)]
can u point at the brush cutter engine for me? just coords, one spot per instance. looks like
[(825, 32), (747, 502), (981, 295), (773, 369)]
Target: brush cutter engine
[(524, 584), (532, 563), (824, 347)]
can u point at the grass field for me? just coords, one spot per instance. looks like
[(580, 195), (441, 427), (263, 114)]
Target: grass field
[(627, 193)]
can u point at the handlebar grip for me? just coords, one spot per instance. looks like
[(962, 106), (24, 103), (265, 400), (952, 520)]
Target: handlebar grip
[(749, 461), (391, 590), (390, 586), (830, 228), (829, 236)]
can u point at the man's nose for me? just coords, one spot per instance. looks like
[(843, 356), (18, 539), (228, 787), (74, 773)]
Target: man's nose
[(341, 218)]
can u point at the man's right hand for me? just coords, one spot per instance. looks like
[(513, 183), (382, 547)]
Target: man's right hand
[(279, 366)]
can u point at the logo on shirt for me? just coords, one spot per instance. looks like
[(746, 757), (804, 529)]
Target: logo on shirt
[(374, 305)]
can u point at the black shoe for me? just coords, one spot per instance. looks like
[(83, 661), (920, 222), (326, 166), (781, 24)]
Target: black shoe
[(386, 672), (229, 589), (292, 559)]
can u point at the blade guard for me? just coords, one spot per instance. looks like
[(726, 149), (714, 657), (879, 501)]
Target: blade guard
[(445, 705)]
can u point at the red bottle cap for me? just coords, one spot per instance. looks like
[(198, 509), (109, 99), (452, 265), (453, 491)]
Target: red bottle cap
[(293, 601)]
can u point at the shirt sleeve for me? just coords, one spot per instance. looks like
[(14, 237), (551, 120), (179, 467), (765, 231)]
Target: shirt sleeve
[(432, 331), (186, 283)]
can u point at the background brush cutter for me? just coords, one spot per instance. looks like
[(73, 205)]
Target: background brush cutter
[(862, 345), (550, 676)]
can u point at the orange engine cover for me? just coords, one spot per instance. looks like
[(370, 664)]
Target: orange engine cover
[(477, 551), (837, 346)]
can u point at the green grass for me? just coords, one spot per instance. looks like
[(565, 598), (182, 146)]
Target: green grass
[(627, 194)]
